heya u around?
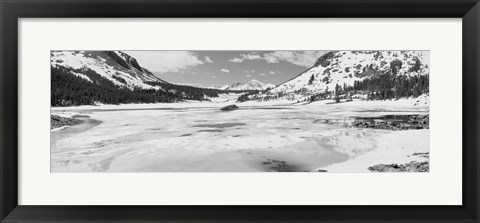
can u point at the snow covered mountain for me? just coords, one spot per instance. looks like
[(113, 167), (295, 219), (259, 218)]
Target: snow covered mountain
[(344, 68), (112, 77), (248, 86), (115, 66)]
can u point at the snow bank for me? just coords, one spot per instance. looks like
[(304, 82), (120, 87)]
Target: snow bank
[(58, 129), (421, 102), (394, 148)]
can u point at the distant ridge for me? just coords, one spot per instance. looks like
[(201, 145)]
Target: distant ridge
[(248, 86)]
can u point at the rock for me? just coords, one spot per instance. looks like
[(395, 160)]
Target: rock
[(413, 166), (413, 122), (229, 108), (420, 121), (58, 121), (423, 155)]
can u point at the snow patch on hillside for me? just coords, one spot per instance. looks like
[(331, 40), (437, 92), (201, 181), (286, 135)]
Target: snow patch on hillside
[(81, 76)]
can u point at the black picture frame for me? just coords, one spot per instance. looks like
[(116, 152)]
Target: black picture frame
[(12, 10)]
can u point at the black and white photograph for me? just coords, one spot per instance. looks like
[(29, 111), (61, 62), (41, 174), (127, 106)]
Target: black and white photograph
[(319, 111)]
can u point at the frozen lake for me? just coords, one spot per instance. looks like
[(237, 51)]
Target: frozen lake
[(256, 138)]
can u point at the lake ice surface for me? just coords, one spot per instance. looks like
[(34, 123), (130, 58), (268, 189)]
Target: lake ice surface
[(255, 138)]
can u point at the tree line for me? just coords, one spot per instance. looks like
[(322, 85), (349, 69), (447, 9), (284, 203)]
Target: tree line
[(70, 90), (389, 86)]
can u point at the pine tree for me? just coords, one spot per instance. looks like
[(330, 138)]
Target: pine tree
[(337, 93), (311, 80)]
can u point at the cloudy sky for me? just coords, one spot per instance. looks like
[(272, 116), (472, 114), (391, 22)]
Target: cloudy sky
[(217, 68)]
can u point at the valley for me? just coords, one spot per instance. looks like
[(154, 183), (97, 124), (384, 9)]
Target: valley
[(349, 111)]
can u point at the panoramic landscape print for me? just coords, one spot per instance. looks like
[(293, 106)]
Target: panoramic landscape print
[(240, 111)]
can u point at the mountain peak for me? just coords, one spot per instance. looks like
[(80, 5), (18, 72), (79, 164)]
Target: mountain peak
[(343, 68), (249, 86), (116, 66)]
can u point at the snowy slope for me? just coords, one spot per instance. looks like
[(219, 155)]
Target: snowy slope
[(346, 67), (250, 85), (117, 67)]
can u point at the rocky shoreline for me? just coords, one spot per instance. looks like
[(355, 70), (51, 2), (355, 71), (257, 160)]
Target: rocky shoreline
[(413, 122), (412, 166), (58, 121)]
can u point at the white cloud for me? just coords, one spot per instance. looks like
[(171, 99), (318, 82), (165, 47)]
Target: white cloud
[(270, 58), (272, 73), (262, 74), (248, 75), (299, 58), (243, 57), (225, 70), (208, 60), (236, 60), (252, 56), (166, 61)]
